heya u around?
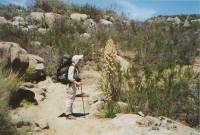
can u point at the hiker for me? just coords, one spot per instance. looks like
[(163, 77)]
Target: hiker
[(74, 83)]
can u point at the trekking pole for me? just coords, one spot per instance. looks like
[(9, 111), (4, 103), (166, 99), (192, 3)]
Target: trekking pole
[(82, 99)]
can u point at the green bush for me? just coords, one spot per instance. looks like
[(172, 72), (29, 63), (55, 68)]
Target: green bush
[(161, 90), (110, 110), (8, 83)]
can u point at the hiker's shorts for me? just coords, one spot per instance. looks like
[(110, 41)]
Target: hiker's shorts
[(71, 94)]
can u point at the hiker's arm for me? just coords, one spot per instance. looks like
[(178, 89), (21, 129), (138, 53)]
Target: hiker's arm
[(71, 75)]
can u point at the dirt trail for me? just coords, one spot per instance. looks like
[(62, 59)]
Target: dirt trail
[(54, 105)]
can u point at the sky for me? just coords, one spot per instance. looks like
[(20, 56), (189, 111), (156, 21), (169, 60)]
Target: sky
[(134, 9)]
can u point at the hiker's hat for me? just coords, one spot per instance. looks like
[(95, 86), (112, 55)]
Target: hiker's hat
[(77, 58)]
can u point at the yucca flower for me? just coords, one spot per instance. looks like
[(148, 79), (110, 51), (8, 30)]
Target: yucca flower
[(110, 55)]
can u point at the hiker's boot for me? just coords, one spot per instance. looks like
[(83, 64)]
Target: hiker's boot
[(70, 117)]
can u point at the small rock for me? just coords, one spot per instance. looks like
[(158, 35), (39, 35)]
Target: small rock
[(98, 96), (155, 128), (148, 120), (141, 113), (42, 30), (85, 36), (24, 29), (32, 27), (169, 121), (35, 43), (40, 66), (42, 124), (37, 129)]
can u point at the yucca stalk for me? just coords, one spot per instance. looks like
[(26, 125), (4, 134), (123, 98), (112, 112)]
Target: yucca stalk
[(110, 70)]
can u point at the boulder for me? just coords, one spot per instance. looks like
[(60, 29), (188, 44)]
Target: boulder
[(186, 23), (3, 20), (105, 22), (36, 70), (78, 16), (35, 18), (28, 92), (18, 21), (51, 18), (21, 117), (90, 25), (24, 93), (195, 21), (12, 55), (174, 20), (109, 18), (34, 59)]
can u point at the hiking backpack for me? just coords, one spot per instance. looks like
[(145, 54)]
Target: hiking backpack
[(62, 72)]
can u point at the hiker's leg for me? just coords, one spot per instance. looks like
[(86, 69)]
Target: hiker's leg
[(71, 93), (74, 88), (69, 100)]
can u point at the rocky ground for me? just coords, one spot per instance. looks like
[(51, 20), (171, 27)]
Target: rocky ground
[(43, 118)]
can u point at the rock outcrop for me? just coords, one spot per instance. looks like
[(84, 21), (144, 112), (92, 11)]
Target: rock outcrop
[(51, 18), (174, 20), (15, 57), (18, 21), (12, 55), (35, 18)]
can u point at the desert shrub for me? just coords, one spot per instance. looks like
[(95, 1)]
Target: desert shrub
[(49, 5), (51, 69), (9, 83), (162, 90), (92, 11), (29, 74), (10, 11), (110, 110)]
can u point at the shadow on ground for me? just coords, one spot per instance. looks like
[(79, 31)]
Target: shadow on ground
[(75, 114)]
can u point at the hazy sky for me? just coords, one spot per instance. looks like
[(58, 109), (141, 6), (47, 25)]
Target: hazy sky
[(135, 9)]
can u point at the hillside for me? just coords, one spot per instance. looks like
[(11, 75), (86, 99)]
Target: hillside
[(138, 77)]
